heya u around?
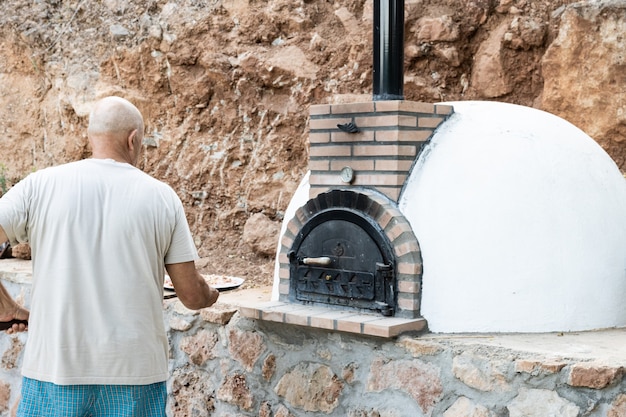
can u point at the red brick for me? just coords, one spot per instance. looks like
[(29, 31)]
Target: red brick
[(418, 107), (409, 268), (273, 315), (384, 218), (282, 255), (409, 287), (393, 165), (327, 123), (357, 165), (325, 179), (391, 135), (319, 137), (408, 304), (384, 150), (349, 326), (407, 121), (322, 322), (390, 327), (319, 109), (346, 108), (294, 227), (379, 179), (301, 216), (283, 287), (403, 135), (444, 109), (398, 229), (282, 258), (432, 122), (387, 105), (378, 121), (342, 137), (405, 248), (298, 319), (405, 106), (337, 150), (283, 272), (354, 324), (317, 165), (415, 135), (251, 312)]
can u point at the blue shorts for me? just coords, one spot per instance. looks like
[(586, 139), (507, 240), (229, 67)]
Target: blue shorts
[(45, 399)]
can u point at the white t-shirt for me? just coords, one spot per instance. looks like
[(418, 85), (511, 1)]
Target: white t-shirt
[(100, 233)]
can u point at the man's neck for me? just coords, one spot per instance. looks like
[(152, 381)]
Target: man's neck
[(113, 156)]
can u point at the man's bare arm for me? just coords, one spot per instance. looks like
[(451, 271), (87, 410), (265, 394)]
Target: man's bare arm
[(192, 290)]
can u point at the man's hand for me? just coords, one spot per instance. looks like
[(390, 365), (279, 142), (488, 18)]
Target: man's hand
[(11, 310), (191, 288), (18, 313)]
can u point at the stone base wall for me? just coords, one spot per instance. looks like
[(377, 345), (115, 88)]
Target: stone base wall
[(223, 364), (227, 365)]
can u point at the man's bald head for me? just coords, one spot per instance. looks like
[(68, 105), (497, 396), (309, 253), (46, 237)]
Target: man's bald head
[(115, 130), (114, 116)]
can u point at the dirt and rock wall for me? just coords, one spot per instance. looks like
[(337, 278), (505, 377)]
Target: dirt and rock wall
[(225, 86)]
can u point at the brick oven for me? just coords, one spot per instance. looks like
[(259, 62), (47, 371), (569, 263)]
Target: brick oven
[(349, 245), (348, 258)]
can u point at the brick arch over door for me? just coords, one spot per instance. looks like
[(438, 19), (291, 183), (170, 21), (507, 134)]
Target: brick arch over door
[(397, 230)]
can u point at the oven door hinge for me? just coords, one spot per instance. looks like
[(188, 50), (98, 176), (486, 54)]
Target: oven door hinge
[(385, 270), (384, 308)]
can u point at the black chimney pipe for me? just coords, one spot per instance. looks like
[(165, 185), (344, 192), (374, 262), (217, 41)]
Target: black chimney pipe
[(388, 50)]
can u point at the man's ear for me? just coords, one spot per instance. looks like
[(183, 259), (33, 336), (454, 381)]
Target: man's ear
[(131, 140)]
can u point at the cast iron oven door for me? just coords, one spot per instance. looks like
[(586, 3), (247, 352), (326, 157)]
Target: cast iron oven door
[(342, 257)]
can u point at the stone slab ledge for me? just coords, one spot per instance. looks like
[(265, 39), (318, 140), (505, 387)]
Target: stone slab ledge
[(332, 319)]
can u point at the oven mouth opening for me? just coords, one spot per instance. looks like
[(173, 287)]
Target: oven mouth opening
[(342, 257)]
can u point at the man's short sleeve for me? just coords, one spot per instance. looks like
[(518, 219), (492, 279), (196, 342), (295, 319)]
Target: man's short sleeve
[(14, 212), (182, 247)]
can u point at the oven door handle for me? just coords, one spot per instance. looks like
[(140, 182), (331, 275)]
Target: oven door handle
[(321, 261)]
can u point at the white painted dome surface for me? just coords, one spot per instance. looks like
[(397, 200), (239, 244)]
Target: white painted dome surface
[(299, 198), (521, 219)]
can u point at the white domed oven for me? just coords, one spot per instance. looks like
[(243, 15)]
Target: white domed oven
[(474, 216)]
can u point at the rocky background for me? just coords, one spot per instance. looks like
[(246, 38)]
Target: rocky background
[(225, 86)]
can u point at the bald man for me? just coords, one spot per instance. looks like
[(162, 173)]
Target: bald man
[(102, 233)]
